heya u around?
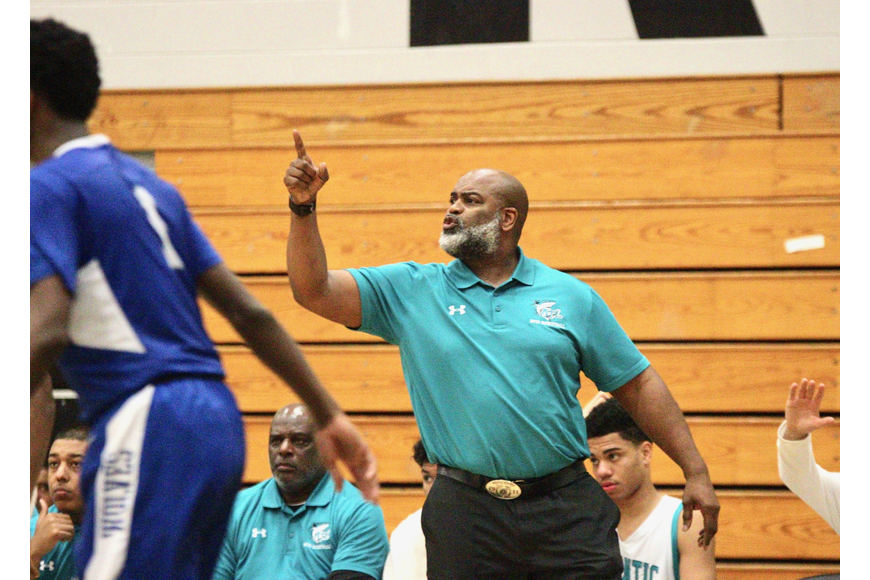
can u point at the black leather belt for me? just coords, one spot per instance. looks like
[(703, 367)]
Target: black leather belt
[(512, 489)]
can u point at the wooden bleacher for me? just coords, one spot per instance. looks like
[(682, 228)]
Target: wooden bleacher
[(673, 198)]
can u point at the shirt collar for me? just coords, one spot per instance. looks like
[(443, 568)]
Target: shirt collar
[(321, 495), (86, 142), (463, 277)]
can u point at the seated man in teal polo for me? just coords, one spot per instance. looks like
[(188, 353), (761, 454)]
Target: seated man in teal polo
[(296, 524), (55, 526)]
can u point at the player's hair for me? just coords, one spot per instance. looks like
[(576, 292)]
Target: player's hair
[(611, 417), (420, 455), (74, 433), (64, 69)]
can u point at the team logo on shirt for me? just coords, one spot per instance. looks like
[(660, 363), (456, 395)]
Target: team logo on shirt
[(544, 309), (320, 535)]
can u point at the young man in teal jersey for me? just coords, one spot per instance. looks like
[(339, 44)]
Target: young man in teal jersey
[(296, 524)]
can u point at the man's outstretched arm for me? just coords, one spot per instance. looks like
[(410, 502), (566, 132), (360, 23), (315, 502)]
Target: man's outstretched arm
[(337, 437), (651, 405), (332, 294)]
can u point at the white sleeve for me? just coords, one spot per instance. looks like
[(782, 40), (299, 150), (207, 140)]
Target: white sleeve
[(798, 470)]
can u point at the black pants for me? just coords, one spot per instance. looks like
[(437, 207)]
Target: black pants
[(567, 534)]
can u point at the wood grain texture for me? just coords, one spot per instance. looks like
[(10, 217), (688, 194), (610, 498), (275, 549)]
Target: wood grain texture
[(685, 306), (429, 113), (811, 103), (362, 378), (566, 238), (772, 571), (709, 168), (154, 119), (738, 451), (729, 378), (763, 525)]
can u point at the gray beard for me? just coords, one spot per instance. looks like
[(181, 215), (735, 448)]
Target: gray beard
[(474, 241)]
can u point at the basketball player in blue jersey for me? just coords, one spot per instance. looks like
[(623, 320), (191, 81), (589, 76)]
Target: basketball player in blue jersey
[(116, 264)]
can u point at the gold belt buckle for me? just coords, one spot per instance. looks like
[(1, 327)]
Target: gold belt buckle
[(503, 489)]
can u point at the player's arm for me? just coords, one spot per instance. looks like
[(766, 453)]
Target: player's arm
[(50, 304), (651, 405), (337, 437), (332, 294), (696, 562), (42, 410)]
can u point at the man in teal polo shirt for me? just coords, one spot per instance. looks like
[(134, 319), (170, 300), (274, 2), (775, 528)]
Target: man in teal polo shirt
[(492, 345), (54, 528), (295, 525)]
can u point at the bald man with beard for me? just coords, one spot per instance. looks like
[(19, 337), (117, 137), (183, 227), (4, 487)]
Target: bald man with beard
[(492, 346)]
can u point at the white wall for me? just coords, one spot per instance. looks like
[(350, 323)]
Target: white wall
[(224, 43)]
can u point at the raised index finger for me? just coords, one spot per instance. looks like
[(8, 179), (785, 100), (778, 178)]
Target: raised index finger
[(300, 146)]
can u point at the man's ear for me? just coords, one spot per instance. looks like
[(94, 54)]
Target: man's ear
[(508, 218), (646, 449)]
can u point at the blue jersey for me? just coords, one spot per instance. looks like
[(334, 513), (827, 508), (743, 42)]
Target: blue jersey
[(493, 373), (125, 246)]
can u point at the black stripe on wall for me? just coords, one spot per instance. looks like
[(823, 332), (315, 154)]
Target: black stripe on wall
[(695, 18), (439, 22)]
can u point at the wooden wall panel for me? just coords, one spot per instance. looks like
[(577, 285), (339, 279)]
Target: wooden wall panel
[(724, 306), (146, 120), (742, 451), (729, 378), (737, 451), (361, 378), (650, 307), (752, 525), (773, 571), (618, 170), (152, 120), (811, 103), (566, 238)]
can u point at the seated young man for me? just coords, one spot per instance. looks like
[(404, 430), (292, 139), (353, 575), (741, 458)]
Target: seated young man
[(651, 539)]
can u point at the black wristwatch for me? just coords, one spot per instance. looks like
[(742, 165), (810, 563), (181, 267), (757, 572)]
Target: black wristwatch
[(302, 209)]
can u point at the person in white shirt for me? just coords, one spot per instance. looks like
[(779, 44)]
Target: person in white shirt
[(651, 540), (798, 469), (407, 557)]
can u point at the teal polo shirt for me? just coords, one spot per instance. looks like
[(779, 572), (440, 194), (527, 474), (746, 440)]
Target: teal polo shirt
[(493, 373), (266, 539), (58, 563)]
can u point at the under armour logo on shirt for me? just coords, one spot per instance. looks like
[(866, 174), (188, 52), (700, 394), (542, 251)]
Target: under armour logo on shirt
[(454, 310), (43, 565), (261, 533)]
